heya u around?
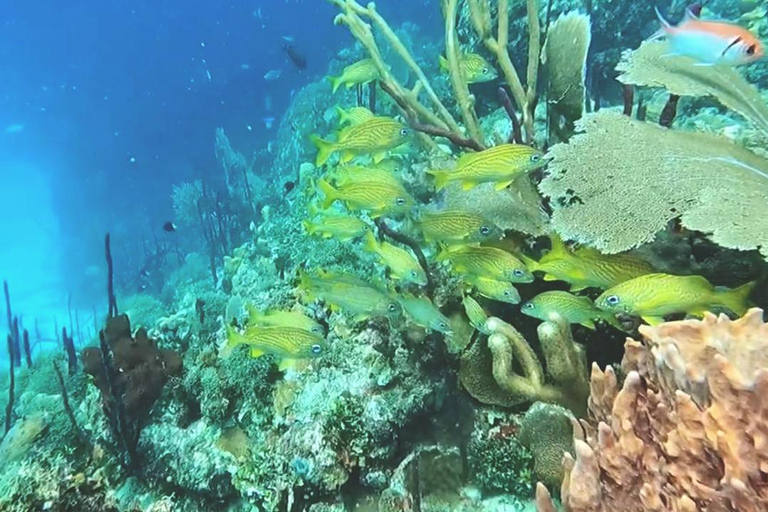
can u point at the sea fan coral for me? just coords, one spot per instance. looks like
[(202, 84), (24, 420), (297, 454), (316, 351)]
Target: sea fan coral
[(687, 431), (620, 182)]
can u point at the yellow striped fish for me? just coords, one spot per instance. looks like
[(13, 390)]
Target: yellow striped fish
[(402, 264), (501, 291), (586, 267), (476, 314), (372, 137), (489, 262), (282, 342), (453, 226), (375, 197), (573, 308), (360, 72), (476, 69), (348, 293), (353, 115), (501, 165), (652, 296), (277, 318), (344, 174), (422, 312)]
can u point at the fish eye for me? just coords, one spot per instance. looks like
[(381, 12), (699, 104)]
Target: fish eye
[(484, 71), (613, 300), (414, 273), (392, 307), (485, 230), (404, 132), (316, 349), (535, 158), (518, 272), (751, 49), (400, 201), (506, 293), (528, 305), (444, 326)]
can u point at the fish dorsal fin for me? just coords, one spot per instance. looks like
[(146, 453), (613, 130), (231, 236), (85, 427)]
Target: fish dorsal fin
[(559, 249), (692, 12)]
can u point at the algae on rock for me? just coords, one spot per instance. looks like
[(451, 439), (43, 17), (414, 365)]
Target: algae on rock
[(619, 182)]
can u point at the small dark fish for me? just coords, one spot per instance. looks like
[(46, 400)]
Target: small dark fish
[(289, 185), (298, 59), (169, 226), (144, 273)]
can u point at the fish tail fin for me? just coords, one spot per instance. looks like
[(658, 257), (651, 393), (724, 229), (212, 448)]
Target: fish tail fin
[(737, 299), (343, 114), (331, 194), (308, 227), (324, 149), (335, 82), (441, 178), (558, 246), (369, 242), (234, 339), (666, 26), (530, 263), (443, 63)]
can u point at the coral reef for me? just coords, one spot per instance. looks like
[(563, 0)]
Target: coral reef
[(687, 430), (488, 368)]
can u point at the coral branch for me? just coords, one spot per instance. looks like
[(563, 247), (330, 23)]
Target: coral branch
[(458, 80), (669, 112), (69, 349), (430, 129), (11, 385), (506, 101), (534, 57), (68, 408), (110, 279), (628, 95), (27, 350)]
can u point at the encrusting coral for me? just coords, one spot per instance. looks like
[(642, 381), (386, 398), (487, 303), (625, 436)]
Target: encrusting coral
[(619, 182), (488, 369), (688, 429)]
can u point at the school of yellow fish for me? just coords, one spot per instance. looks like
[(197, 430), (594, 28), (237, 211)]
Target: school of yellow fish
[(364, 185)]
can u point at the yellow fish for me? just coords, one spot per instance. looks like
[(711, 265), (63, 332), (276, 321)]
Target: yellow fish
[(476, 69), (488, 262), (350, 294), (574, 309), (402, 264), (353, 115), (360, 72), (372, 137), (501, 291), (454, 226), (652, 296), (282, 342), (277, 318), (375, 197), (476, 314), (586, 267), (422, 312), (336, 225), (344, 174), (500, 164)]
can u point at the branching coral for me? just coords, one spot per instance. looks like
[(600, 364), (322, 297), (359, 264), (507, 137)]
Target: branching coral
[(650, 66), (488, 370), (687, 431), (525, 97), (620, 181)]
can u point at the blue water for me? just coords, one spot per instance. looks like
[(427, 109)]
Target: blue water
[(104, 105)]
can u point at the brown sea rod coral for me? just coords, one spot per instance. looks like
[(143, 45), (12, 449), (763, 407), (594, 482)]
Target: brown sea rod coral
[(687, 431)]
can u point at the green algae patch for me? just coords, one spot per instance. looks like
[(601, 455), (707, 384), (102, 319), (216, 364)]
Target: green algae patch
[(619, 182)]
